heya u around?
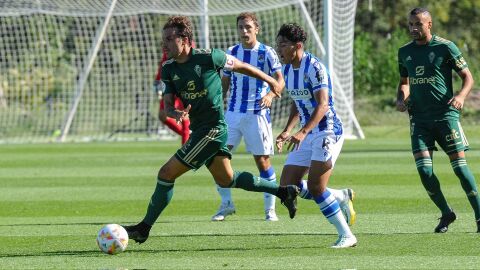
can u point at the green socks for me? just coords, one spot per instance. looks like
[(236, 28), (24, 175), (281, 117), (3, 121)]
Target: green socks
[(431, 184), (160, 199), (467, 180), (249, 182)]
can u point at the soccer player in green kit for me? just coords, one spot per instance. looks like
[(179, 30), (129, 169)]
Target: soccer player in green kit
[(426, 91), (192, 74)]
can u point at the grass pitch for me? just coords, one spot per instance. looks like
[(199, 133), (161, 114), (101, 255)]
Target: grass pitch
[(55, 197)]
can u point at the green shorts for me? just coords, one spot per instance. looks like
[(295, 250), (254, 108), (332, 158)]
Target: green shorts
[(202, 146), (447, 133)]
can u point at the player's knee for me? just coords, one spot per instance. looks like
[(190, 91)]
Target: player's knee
[(425, 171), (166, 173)]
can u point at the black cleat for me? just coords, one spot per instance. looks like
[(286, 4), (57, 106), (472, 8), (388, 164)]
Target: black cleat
[(478, 226), (290, 200), (139, 233), (445, 220)]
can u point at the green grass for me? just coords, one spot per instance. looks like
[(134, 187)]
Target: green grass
[(55, 197)]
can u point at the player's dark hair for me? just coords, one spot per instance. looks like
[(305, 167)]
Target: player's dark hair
[(183, 26), (293, 32), (419, 10), (248, 15)]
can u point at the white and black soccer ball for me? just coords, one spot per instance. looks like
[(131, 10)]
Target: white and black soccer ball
[(112, 239)]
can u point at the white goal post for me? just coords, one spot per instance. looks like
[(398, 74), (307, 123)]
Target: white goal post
[(75, 70)]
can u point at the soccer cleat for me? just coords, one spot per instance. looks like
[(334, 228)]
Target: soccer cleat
[(347, 206), (345, 241), (270, 215), (478, 226), (137, 233), (224, 210), (445, 220), (290, 200)]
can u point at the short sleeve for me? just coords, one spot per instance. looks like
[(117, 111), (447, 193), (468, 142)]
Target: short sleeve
[(455, 58), (228, 73), (219, 58), (401, 67), (168, 85), (318, 76), (273, 62)]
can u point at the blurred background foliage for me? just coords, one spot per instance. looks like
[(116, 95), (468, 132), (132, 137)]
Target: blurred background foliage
[(381, 27)]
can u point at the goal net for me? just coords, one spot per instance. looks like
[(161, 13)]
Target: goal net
[(80, 70)]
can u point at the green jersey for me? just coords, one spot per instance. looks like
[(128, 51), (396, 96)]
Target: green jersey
[(429, 70), (197, 83)]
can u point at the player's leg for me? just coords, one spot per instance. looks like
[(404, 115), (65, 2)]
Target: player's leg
[(160, 199), (227, 207), (268, 173), (222, 172), (423, 144), (454, 142), (323, 149), (257, 132), (344, 196)]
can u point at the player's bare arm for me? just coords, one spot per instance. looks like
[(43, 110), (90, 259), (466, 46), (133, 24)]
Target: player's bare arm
[(225, 86), (403, 92), (266, 100), (292, 121), (321, 96), (467, 83)]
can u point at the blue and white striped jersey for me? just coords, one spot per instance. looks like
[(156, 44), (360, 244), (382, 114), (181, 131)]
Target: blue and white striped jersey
[(245, 91), (301, 83)]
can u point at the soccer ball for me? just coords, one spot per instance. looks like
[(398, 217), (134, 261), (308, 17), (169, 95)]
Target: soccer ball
[(112, 239)]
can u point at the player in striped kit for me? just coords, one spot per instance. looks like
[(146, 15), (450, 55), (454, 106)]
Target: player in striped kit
[(316, 146), (247, 109)]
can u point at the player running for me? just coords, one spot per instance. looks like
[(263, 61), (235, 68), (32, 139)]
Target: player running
[(192, 74), (316, 146)]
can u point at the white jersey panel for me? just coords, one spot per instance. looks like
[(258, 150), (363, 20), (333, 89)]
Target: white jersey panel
[(301, 83), (245, 91)]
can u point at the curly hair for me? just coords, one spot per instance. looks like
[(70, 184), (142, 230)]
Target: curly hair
[(248, 15), (183, 26), (293, 32)]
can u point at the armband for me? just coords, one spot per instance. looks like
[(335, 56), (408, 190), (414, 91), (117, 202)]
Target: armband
[(229, 63)]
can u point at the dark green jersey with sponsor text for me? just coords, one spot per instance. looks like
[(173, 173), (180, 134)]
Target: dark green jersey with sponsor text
[(197, 83), (429, 70)]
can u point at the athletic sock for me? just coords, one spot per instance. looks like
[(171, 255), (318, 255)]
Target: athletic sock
[(305, 193), (431, 184), (249, 182), (225, 194), (269, 199), (185, 133), (467, 180), (160, 199), (331, 210)]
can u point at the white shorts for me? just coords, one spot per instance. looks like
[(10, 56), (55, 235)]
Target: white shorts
[(321, 146), (255, 129)]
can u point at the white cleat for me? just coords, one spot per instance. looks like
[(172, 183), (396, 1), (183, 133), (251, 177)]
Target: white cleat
[(270, 215), (345, 241), (223, 211), (347, 206)]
